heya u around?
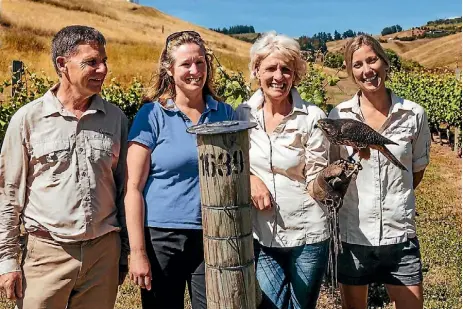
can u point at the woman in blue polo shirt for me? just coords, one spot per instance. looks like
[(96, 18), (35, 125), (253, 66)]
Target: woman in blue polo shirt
[(162, 201)]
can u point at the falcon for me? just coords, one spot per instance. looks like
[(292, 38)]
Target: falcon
[(359, 136)]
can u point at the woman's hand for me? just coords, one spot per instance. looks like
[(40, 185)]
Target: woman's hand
[(261, 197), (140, 270)]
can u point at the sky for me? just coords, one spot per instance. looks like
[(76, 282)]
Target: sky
[(308, 17)]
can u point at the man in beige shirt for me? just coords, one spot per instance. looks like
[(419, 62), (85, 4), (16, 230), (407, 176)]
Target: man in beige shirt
[(62, 169)]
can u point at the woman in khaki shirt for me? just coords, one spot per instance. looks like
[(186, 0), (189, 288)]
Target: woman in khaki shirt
[(286, 154), (377, 220)]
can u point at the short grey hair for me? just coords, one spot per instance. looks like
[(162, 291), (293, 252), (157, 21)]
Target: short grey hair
[(66, 41), (289, 48)]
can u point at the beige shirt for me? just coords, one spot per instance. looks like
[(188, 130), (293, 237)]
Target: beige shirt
[(62, 175), (286, 161), (379, 206)]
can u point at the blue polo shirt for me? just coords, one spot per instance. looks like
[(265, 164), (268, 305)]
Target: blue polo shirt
[(172, 194)]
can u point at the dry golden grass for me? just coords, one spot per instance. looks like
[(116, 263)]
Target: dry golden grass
[(23, 41), (81, 5), (444, 51), (401, 47), (135, 37), (125, 59)]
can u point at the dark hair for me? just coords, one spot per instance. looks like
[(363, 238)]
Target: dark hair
[(164, 86), (66, 41)]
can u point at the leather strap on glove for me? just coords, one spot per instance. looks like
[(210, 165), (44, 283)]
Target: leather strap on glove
[(330, 185)]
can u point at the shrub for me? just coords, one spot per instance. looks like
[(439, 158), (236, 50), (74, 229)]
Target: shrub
[(231, 88), (312, 87), (129, 99), (439, 94), (333, 60), (410, 65), (394, 59), (407, 38)]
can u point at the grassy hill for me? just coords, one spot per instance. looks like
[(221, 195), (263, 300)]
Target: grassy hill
[(247, 37), (135, 34), (429, 52)]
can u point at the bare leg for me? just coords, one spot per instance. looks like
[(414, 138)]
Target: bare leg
[(406, 297), (354, 296)]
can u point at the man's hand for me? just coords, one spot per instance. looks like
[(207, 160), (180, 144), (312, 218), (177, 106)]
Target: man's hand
[(261, 197), (12, 284)]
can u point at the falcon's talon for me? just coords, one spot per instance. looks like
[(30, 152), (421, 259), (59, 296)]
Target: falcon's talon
[(351, 159), (357, 167)]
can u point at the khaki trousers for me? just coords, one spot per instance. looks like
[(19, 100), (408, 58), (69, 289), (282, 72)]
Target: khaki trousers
[(73, 276)]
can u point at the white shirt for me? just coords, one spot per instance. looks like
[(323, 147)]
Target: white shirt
[(286, 161), (379, 206)]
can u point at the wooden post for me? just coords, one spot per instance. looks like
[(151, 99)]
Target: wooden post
[(17, 70), (223, 151)]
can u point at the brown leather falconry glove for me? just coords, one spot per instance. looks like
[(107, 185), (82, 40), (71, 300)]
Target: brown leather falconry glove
[(331, 184)]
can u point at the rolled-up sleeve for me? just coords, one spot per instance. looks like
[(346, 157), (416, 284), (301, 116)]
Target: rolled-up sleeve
[(422, 143), (13, 176), (119, 179), (316, 150)]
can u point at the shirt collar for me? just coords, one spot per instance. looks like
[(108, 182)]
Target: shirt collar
[(211, 104), (398, 103), (53, 105), (257, 99)]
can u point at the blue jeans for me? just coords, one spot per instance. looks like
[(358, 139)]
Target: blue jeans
[(291, 277)]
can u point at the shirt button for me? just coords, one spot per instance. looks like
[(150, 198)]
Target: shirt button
[(87, 198), (81, 150), (84, 174)]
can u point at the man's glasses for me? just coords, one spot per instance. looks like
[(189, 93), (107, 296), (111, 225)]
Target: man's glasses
[(175, 35)]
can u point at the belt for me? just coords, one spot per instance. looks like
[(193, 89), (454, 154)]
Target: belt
[(41, 234)]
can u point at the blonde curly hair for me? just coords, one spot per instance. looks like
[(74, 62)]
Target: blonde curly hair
[(287, 47)]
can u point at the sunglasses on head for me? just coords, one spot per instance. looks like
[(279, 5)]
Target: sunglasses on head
[(175, 35)]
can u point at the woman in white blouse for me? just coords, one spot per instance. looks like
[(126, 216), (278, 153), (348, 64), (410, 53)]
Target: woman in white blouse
[(287, 153), (377, 218)]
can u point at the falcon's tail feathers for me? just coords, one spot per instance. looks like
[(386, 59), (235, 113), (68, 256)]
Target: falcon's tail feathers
[(391, 157)]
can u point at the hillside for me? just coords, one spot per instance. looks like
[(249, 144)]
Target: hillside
[(445, 51), (438, 52), (247, 37), (135, 34)]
